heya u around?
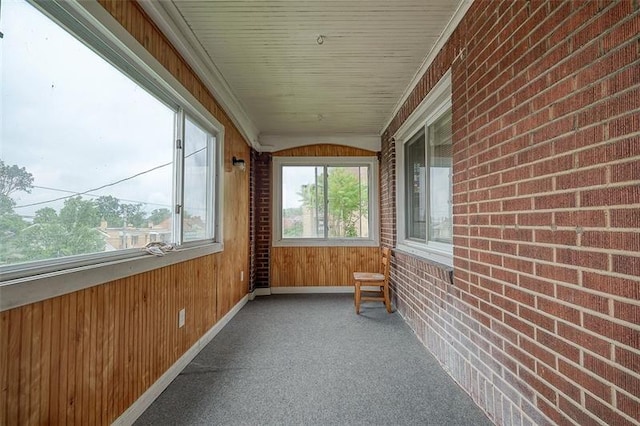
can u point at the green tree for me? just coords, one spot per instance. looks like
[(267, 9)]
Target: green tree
[(159, 215), (72, 231), (347, 200), (13, 179), (46, 215), (78, 213), (11, 225), (109, 210), (133, 215)]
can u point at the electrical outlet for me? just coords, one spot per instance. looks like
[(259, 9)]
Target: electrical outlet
[(181, 318), (241, 275)]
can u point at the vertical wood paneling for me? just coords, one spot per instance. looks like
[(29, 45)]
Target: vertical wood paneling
[(36, 362), (13, 365), (46, 361), (4, 361), (85, 357), (324, 150), (321, 266), (56, 367), (25, 365)]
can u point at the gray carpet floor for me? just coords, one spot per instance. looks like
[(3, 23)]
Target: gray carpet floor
[(310, 360)]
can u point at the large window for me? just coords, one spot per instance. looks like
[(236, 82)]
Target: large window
[(99, 156), (428, 185), (425, 215), (325, 201)]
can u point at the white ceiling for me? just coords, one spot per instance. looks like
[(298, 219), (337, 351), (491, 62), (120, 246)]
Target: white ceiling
[(294, 91)]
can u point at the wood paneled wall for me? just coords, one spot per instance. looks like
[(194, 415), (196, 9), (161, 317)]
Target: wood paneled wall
[(321, 266), (85, 357), (324, 150)]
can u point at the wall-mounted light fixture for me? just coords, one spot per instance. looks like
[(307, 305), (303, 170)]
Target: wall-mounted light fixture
[(239, 163)]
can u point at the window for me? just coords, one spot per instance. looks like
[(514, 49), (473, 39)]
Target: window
[(199, 191), (101, 154), (325, 201), (425, 168)]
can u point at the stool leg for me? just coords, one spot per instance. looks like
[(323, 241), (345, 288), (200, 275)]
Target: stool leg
[(357, 297)]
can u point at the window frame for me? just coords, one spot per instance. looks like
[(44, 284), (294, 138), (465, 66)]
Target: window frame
[(372, 186), (433, 106), (93, 26)]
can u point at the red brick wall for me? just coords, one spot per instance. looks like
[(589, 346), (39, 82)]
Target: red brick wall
[(260, 183), (541, 323)]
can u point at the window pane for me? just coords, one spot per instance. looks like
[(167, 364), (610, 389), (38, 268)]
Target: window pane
[(440, 184), (416, 192), (92, 150), (302, 202), (198, 184), (348, 202)]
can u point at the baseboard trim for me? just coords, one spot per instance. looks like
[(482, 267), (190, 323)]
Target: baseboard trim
[(262, 292), (311, 289), (146, 399)]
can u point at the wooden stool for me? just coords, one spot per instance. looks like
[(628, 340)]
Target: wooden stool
[(374, 279)]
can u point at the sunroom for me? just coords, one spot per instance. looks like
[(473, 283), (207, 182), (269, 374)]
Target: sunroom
[(176, 170)]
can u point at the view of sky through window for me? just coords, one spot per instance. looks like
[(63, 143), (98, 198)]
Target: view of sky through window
[(79, 126)]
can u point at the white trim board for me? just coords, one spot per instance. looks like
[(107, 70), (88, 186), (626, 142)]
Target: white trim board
[(147, 398), (261, 292)]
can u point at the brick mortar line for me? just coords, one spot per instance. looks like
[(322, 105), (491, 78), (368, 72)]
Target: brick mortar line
[(578, 248), (532, 195), (557, 228), (577, 385), (524, 40), (549, 89), (556, 354), (606, 141), (548, 52), (566, 115), (519, 363), (578, 150), (566, 304), (559, 301), (549, 228), (529, 131), (467, 361), (557, 173), (550, 281), (516, 361), (552, 210)]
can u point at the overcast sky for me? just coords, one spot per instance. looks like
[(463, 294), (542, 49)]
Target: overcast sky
[(76, 123), (65, 119)]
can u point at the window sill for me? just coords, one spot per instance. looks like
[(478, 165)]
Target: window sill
[(308, 242), (23, 291), (424, 252)]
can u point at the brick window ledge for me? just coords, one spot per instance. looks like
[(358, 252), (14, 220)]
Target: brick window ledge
[(438, 270)]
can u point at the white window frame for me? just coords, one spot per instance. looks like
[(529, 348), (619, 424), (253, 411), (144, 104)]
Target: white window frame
[(34, 281), (372, 185), (437, 102)]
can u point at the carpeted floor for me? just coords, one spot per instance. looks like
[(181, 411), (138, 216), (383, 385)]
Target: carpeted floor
[(310, 360)]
